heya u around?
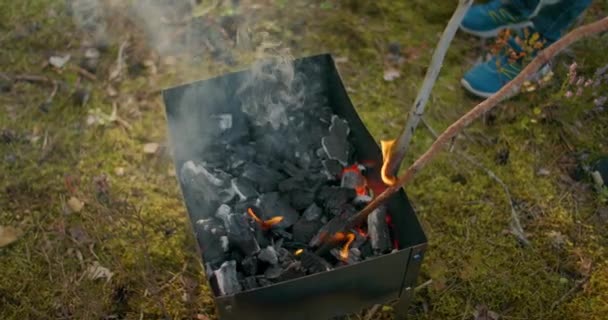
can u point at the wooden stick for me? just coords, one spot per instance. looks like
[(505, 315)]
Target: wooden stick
[(541, 59), (417, 110)]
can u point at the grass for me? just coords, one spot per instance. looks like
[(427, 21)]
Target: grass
[(134, 224)]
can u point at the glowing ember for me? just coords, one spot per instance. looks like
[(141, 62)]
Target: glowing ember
[(299, 252), (387, 150), (349, 237), (360, 188), (264, 224), (361, 232)]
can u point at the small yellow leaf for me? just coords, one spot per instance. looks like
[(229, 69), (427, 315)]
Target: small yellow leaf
[(9, 235), (75, 204), (151, 148)]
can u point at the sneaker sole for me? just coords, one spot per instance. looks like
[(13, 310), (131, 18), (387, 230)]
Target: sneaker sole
[(494, 32), (541, 73)]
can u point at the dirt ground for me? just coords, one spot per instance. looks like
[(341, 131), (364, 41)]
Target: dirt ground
[(92, 224)]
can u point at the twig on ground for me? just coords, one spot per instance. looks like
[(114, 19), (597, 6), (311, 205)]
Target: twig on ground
[(417, 110), (424, 285), (84, 73), (541, 59), (120, 62), (370, 314), (578, 286), (516, 228)]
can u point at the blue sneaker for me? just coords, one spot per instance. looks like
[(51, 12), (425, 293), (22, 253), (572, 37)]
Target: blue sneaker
[(485, 79), (487, 20)]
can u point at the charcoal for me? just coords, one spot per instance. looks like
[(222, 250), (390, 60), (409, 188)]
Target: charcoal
[(249, 283), (332, 168), (273, 272), (222, 122), (334, 199), (366, 250), (292, 271), (292, 169), (301, 199), (282, 233), (250, 265), (303, 158), (241, 234), (362, 199), (271, 205), (313, 263), (268, 255), (284, 256), (209, 270), (378, 231), (336, 148), (209, 233), (339, 127), (243, 188), (263, 282), (262, 236), (226, 195), (312, 213), (216, 178), (265, 178), (226, 277), (304, 230), (359, 239), (290, 184), (225, 243)]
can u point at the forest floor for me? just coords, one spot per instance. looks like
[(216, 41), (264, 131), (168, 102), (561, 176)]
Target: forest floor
[(92, 224)]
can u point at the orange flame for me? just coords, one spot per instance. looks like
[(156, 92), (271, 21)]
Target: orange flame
[(349, 237), (299, 252), (264, 224), (362, 189), (387, 150)]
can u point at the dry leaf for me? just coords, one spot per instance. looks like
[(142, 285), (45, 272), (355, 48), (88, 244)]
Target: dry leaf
[(151, 148), (391, 74), (97, 271), (119, 171), (9, 235), (75, 204), (59, 61), (482, 313)]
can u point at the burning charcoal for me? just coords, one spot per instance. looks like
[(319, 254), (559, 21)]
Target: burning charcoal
[(209, 233), (360, 239), (266, 179), (336, 148), (354, 255), (352, 179), (313, 263), (268, 255), (334, 199), (243, 188), (362, 199), (273, 272), (250, 265), (378, 232), (304, 230), (301, 199), (226, 277), (249, 283), (271, 205), (334, 224), (313, 212), (333, 168)]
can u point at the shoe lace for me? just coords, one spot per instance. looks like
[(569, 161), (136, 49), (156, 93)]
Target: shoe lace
[(501, 15)]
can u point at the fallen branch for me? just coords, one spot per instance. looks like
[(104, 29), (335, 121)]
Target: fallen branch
[(401, 146), (578, 286), (516, 229), (541, 59)]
